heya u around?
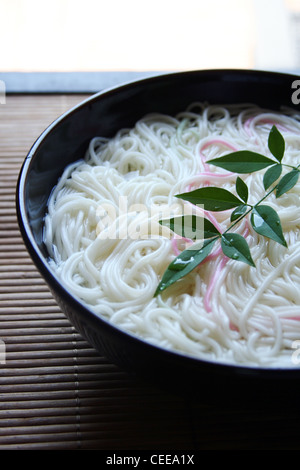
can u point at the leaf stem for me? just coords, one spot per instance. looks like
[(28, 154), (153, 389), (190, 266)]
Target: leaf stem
[(266, 195), (238, 220), (290, 166), (249, 210)]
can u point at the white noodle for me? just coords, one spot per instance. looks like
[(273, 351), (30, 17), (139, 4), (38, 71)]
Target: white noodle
[(97, 235)]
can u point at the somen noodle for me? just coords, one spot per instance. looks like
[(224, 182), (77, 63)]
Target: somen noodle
[(107, 247)]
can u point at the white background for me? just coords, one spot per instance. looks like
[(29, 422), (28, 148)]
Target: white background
[(139, 35)]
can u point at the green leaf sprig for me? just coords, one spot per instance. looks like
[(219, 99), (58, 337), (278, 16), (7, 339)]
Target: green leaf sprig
[(263, 218)]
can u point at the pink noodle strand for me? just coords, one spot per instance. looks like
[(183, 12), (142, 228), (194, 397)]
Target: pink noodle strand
[(263, 121), (210, 288), (247, 126), (221, 265), (207, 173), (174, 244), (214, 142)]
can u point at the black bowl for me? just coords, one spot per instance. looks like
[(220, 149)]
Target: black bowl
[(66, 140)]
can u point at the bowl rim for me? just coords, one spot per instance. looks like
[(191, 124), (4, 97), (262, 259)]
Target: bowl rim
[(49, 274)]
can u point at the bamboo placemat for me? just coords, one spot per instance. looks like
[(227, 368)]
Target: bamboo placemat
[(56, 392)]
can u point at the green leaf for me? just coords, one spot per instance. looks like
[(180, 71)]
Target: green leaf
[(238, 212), (265, 221), (235, 247), (276, 143), (241, 189), (183, 264), (287, 182), (271, 175), (212, 198), (191, 226), (242, 161)]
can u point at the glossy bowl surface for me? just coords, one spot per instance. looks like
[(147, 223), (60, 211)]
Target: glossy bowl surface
[(66, 140)]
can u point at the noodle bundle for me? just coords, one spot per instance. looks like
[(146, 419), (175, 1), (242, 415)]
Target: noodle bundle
[(105, 242)]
